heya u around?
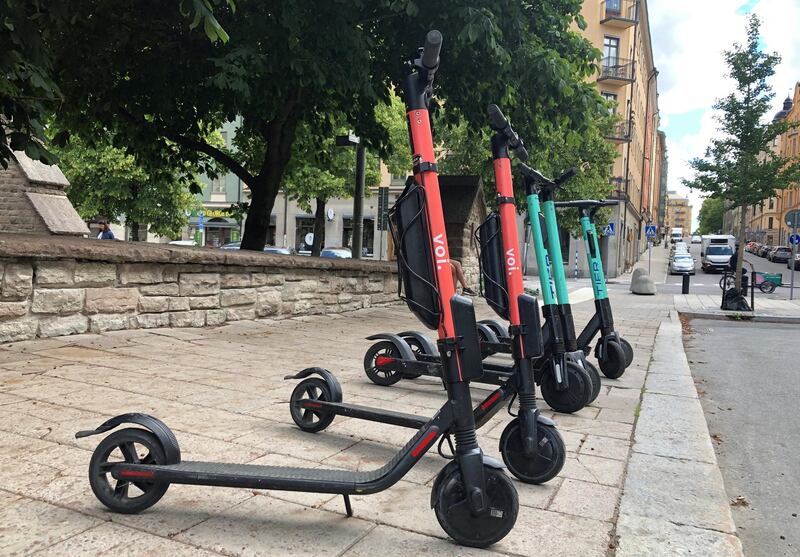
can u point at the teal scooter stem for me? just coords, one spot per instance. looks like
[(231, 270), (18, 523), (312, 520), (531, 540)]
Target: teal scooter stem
[(612, 351)]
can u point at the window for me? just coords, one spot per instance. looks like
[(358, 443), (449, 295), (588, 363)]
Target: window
[(611, 50), (303, 225), (218, 185), (613, 7), (224, 138), (367, 235), (771, 206), (770, 223), (612, 98)]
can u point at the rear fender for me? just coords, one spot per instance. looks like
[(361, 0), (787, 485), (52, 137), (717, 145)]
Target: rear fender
[(427, 344), (488, 333), (169, 443), (404, 349), (499, 329), (330, 379)]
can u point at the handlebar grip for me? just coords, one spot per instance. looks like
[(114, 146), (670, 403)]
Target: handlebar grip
[(496, 118), (568, 175), (430, 52)]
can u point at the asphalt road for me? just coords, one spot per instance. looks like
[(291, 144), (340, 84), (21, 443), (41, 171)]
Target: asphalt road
[(705, 283), (750, 393)]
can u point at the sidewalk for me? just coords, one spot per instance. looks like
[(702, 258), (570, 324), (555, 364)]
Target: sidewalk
[(766, 310)]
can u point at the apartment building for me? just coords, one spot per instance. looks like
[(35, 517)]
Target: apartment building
[(678, 213), (628, 78)]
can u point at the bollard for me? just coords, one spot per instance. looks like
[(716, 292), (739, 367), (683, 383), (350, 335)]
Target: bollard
[(685, 288)]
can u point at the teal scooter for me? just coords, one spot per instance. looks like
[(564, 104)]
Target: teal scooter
[(613, 353), (539, 188)]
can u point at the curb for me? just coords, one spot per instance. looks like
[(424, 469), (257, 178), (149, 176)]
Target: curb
[(674, 500), (786, 319)]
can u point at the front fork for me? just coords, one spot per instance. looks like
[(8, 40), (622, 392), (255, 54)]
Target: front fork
[(528, 411), (558, 360), (468, 454)]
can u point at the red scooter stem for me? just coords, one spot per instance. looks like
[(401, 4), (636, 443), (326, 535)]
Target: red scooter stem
[(422, 145)]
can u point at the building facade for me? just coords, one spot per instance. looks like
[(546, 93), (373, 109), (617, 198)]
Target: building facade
[(678, 213), (627, 78)]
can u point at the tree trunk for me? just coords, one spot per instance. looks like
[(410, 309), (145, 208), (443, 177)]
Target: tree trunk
[(257, 224), (135, 231), (740, 242), (319, 227)]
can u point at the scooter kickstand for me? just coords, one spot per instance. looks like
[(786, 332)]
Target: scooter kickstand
[(347, 506)]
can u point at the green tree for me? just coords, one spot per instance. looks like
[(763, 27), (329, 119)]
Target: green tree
[(739, 167), (29, 92), (106, 181), (710, 217), (161, 88), (320, 171)]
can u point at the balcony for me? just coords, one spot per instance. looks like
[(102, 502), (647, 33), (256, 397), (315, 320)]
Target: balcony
[(620, 14), (617, 70), (620, 133)]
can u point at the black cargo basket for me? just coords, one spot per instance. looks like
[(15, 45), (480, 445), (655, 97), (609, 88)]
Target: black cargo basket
[(416, 277), (493, 286)]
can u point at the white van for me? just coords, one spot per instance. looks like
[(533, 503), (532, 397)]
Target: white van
[(716, 251)]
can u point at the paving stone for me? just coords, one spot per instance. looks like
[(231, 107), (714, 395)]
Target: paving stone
[(385, 540), (589, 500), (607, 447), (670, 384), (267, 526), (662, 538), (589, 468)]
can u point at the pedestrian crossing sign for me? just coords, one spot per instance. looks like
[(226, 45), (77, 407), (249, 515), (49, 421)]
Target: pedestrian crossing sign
[(650, 230), (609, 229)]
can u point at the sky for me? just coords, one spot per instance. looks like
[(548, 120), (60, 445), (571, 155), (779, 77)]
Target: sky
[(689, 37)]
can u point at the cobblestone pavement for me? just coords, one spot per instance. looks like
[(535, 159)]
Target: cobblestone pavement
[(221, 391)]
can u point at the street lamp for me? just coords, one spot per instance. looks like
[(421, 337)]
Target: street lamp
[(352, 140)]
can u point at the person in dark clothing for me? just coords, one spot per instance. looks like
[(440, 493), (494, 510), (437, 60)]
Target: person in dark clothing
[(105, 232), (734, 259)]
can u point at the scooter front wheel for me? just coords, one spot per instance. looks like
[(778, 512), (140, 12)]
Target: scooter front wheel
[(594, 377), (132, 445), (545, 465), (612, 364), (306, 417), (628, 349), (377, 374), (454, 514), (569, 400)]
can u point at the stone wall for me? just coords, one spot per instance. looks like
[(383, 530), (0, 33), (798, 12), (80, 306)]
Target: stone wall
[(16, 212), (61, 286)]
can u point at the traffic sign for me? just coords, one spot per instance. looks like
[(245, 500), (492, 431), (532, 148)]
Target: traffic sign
[(794, 239), (650, 230), (200, 220), (609, 230), (383, 208), (793, 219)]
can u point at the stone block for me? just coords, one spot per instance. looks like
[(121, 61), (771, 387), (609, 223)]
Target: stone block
[(274, 279), (153, 304), (95, 274), (152, 320), (114, 322), (258, 279), (61, 301), (60, 326), (178, 304), (54, 273), (161, 289), (203, 302), (237, 297), (17, 280), (291, 292), (10, 310), (308, 285), (170, 273), (111, 300), (141, 273), (235, 280), (269, 302), (215, 317), (641, 283), (18, 329), (198, 284), (240, 314), (193, 318)]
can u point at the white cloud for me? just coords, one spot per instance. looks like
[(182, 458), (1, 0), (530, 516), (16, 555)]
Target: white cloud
[(689, 37)]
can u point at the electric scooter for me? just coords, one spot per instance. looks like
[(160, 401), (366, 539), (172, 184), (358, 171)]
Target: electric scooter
[(530, 444), (613, 353), (474, 501)]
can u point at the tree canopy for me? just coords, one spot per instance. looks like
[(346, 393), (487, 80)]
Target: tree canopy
[(710, 217), (139, 71)]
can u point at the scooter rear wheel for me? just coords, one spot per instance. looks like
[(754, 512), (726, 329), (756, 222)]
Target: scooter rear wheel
[(612, 364), (628, 349), (545, 465), (126, 445), (383, 377), (454, 515), (309, 419), (572, 399)]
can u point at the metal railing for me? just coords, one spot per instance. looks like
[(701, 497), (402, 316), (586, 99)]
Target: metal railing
[(620, 132), (617, 68), (627, 10)]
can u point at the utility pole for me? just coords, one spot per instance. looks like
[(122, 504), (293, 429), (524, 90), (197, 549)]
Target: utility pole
[(352, 140)]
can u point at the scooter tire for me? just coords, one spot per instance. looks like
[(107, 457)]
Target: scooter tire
[(612, 364), (573, 398), (543, 467), (628, 349), (594, 376)]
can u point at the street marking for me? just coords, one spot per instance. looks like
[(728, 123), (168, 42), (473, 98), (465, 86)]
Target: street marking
[(581, 295)]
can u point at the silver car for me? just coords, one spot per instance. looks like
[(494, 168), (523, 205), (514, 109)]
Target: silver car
[(682, 264)]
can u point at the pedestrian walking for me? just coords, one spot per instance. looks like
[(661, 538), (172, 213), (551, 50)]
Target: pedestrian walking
[(105, 232)]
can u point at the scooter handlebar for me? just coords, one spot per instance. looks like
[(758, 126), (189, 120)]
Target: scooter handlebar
[(581, 203), (499, 123), (567, 176), (534, 175), (431, 50)]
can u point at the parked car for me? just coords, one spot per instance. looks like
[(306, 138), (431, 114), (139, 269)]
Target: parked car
[(682, 264), (696, 239), (780, 254), (763, 250), (267, 249), (189, 243), (231, 245), (796, 263), (337, 253)]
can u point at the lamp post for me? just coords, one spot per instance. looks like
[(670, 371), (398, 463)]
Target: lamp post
[(352, 140)]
